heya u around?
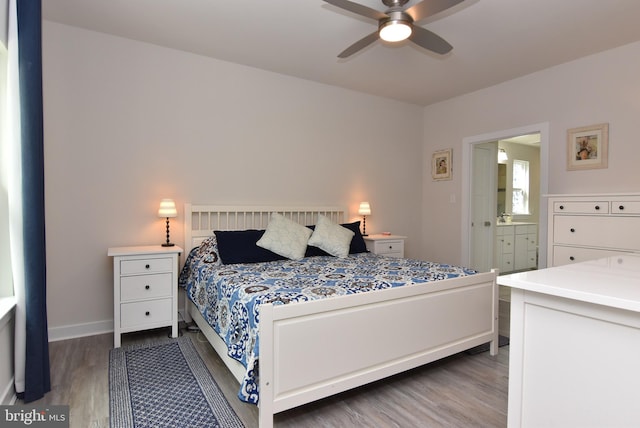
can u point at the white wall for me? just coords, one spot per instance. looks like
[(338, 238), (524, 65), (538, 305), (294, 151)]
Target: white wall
[(127, 124), (600, 88)]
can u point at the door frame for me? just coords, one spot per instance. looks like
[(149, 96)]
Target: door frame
[(467, 165)]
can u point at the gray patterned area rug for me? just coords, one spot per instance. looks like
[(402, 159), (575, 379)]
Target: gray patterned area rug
[(165, 384)]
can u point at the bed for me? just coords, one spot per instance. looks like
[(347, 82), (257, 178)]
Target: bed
[(346, 340)]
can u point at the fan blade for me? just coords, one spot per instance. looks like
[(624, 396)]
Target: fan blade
[(427, 8), (358, 8), (360, 44), (429, 40)]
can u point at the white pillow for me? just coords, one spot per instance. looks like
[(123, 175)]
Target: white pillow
[(285, 237), (331, 237)]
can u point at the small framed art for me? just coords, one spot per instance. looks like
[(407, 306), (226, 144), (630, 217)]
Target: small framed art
[(587, 147), (441, 165)]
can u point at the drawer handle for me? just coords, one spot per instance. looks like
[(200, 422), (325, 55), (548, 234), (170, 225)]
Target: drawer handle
[(147, 266), (597, 207), (572, 230), (561, 207), (147, 313), (391, 247), (146, 287), (621, 207), (571, 258)]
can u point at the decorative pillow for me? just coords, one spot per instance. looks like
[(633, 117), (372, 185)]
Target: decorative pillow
[(285, 237), (331, 237), (357, 242), (208, 251), (239, 246)]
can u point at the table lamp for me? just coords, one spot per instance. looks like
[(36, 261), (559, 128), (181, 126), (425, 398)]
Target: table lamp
[(364, 211), (167, 209)]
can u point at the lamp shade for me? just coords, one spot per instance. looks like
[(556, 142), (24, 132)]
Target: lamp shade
[(167, 209), (365, 208)]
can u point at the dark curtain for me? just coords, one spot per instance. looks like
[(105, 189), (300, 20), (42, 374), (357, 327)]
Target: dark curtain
[(37, 379)]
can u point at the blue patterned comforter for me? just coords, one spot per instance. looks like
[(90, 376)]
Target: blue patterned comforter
[(229, 296)]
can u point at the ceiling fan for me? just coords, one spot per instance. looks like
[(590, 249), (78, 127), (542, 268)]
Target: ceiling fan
[(397, 24)]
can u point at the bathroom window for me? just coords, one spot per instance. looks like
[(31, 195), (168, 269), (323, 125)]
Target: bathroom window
[(520, 198)]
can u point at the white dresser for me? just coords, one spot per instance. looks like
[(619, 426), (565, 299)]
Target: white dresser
[(587, 227), (385, 245), (575, 344), (145, 289)]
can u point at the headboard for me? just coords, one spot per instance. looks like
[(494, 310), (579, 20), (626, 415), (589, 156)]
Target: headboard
[(202, 220)]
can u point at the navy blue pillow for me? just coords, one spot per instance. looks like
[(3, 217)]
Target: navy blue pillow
[(239, 246), (357, 242)]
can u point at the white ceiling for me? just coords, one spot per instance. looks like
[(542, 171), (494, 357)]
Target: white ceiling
[(493, 40)]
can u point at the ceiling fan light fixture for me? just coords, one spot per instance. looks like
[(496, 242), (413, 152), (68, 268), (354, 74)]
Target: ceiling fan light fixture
[(395, 30)]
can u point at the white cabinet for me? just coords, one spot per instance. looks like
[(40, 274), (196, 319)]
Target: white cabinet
[(574, 344), (587, 227), (386, 245), (516, 246), (145, 283)]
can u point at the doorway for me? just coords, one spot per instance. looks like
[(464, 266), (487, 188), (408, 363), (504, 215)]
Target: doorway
[(479, 195)]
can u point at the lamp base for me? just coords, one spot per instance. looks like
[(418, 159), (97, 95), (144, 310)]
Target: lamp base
[(168, 244)]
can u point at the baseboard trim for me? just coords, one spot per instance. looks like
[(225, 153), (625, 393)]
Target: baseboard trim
[(9, 395), (73, 331)]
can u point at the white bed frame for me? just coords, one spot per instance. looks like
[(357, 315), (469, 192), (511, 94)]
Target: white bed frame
[(352, 340)]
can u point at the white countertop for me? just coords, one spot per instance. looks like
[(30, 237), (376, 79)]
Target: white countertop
[(516, 223), (612, 281)]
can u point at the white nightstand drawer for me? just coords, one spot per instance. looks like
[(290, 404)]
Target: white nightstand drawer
[(145, 286), (147, 312), (138, 266), (389, 247)]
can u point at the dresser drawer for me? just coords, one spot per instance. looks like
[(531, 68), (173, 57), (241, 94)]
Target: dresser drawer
[(136, 314), (145, 286), (567, 255), (150, 265), (579, 207), (594, 231), (625, 207)]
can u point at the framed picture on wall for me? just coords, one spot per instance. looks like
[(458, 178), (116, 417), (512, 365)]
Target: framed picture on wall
[(587, 147), (441, 165)]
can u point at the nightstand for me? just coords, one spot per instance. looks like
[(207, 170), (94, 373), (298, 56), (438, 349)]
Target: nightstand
[(145, 289), (386, 245)]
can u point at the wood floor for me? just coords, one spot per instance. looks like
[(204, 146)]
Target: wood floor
[(459, 391)]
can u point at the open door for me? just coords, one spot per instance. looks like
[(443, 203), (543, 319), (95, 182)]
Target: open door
[(484, 172)]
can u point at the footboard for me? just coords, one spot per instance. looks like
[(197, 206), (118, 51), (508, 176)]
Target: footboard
[(320, 348)]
